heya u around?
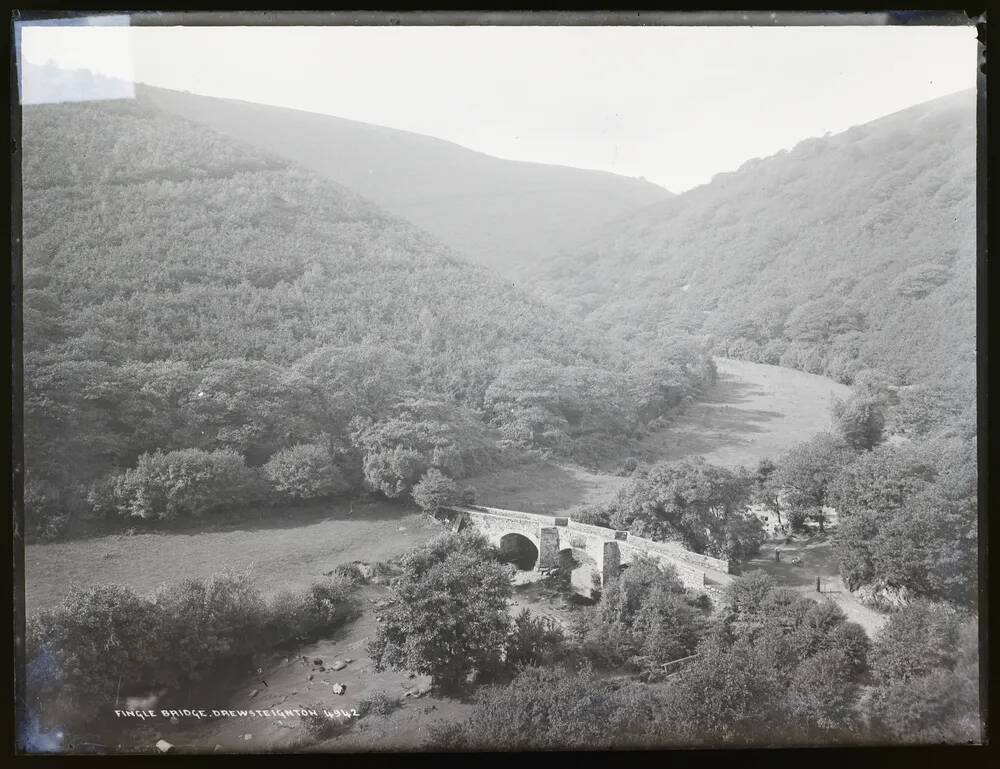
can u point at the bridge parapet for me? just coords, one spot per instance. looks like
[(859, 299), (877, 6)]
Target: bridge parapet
[(550, 534), (676, 551)]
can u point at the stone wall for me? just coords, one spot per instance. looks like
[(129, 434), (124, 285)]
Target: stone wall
[(609, 548)]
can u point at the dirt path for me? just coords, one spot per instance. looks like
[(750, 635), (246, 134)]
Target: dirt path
[(817, 559)]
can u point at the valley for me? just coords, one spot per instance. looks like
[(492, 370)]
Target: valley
[(267, 352)]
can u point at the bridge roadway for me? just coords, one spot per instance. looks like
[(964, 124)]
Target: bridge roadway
[(610, 549)]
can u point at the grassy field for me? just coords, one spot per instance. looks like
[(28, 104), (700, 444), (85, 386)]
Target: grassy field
[(288, 550), (754, 411)]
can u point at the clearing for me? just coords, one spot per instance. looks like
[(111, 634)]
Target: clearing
[(288, 550)]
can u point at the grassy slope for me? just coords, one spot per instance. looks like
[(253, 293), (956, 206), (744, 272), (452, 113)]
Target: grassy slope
[(291, 549), (843, 219), (502, 213)]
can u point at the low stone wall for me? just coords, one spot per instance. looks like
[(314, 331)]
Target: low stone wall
[(689, 575), (597, 531), (676, 551)]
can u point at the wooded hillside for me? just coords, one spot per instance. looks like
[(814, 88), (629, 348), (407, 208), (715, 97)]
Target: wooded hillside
[(850, 252), (186, 292)]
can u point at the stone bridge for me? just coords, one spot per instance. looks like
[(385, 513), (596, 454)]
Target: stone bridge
[(552, 538)]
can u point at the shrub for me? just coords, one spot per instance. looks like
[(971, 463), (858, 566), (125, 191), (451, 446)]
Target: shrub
[(379, 703), (327, 603), (533, 641), (434, 491), (319, 726), (203, 621), (323, 606), (591, 514), (186, 482), (305, 471), (351, 572), (105, 641), (45, 514)]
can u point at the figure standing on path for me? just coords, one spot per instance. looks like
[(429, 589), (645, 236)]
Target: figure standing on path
[(817, 585), (777, 555)]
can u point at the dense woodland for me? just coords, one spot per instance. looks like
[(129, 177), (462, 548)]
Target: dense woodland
[(193, 308), (848, 253)]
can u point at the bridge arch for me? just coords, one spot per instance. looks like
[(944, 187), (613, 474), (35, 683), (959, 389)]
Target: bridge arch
[(519, 550)]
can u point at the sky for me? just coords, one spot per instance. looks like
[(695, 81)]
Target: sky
[(675, 105)]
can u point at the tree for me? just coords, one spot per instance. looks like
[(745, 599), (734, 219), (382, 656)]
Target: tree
[(551, 708), (766, 489), (823, 695), (447, 616), (305, 471), (725, 696), (746, 595), (807, 471), (434, 491), (702, 505), (417, 435), (917, 640), (651, 616), (909, 519), (188, 482), (860, 420), (532, 640), (926, 661)]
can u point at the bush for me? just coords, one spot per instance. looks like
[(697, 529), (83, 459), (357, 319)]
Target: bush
[(593, 515), (319, 609), (45, 514), (533, 641), (107, 643), (186, 482), (319, 726), (203, 621), (305, 471), (351, 572), (379, 703), (434, 491)]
